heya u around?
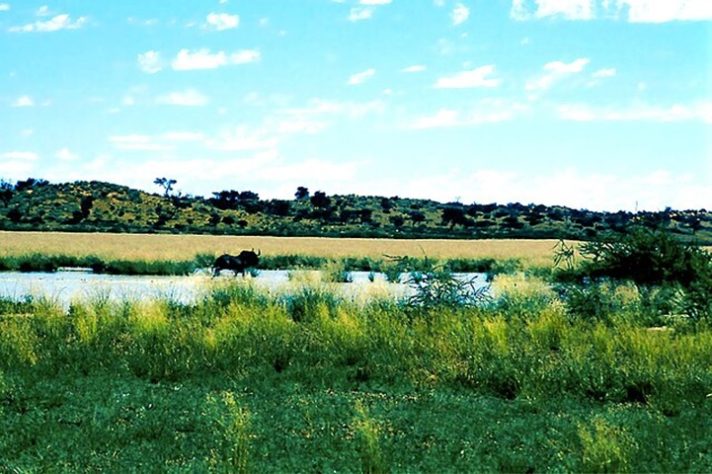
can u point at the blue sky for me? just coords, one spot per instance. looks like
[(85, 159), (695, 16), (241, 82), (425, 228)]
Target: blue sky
[(599, 104)]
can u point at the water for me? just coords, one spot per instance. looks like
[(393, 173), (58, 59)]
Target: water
[(66, 286)]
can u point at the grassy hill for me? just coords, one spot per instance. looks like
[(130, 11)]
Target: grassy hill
[(102, 207)]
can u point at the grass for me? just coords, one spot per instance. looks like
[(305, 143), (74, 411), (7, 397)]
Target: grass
[(248, 381), (185, 247)]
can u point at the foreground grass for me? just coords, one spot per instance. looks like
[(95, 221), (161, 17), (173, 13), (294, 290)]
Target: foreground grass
[(120, 423), (303, 381), (185, 247)]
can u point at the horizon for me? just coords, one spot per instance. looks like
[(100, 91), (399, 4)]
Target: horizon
[(588, 104)]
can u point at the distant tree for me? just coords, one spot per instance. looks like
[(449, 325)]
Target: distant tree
[(279, 207), (386, 205), (302, 193), (7, 190), (320, 200), (397, 221), (86, 205), (416, 217), (14, 215), (366, 215), (166, 184), (249, 196), (453, 216), (30, 183)]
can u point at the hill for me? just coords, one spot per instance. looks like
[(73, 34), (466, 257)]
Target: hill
[(104, 207)]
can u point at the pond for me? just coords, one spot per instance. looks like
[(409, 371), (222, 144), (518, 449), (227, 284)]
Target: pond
[(63, 287)]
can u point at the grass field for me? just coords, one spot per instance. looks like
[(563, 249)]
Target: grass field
[(244, 381), (182, 247)]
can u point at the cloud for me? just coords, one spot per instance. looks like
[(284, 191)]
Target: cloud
[(56, 23), (245, 56), (361, 77), (4, 7), (19, 155), (23, 101), (487, 111), (222, 21), (460, 14), (414, 68), (43, 11), (477, 77), (360, 13), (186, 98), (660, 11), (603, 73), (374, 2), (242, 139), (203, 59), (635, 11), (554, 72), (136, 142), (17, 164), (645, 113), (65, 154), (150, 62)]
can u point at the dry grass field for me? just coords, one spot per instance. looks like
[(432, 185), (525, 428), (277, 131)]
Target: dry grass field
[(171, 247)]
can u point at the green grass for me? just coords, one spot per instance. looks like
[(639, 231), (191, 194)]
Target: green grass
[(246, 381)]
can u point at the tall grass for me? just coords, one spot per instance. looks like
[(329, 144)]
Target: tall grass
[(526, 345)]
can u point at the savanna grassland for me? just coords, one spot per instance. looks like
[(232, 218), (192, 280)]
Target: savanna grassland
[(599, 360), (184, 247)]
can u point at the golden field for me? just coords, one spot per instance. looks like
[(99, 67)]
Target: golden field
[(176, 247)]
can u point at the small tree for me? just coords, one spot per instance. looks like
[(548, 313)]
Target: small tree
[(166, 184), (320, 200), (302, 193)]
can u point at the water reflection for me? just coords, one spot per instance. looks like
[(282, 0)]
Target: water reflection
[(65, 286)]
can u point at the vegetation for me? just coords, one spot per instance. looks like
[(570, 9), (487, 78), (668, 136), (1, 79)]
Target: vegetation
[(103, 207), (246, 381)]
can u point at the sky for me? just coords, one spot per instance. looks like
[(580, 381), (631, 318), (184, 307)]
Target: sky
[(596, 104)]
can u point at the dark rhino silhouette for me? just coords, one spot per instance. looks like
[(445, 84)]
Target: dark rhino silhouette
[(236, 263)]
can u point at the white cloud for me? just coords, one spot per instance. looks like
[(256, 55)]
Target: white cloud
[(374, 2), (487, 111), (42, 11), (136, 143), (554, 72), (150, 62), (414, 68), (204, 59), (4, 7), (17, 164), (603, 73), (641, 112), (460, 14), (242, 139), (65, 154), (361, 77), (182, 136), (200, 59), (20, 155), (23, 101), (56, 23), (360, 13), (478, 77), (222, 21), (636, 11), (186, 98), (245, 56)]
